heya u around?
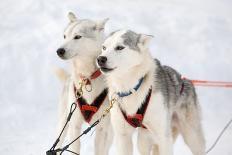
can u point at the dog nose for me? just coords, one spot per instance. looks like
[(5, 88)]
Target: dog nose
[(60, 52), (101, 60)]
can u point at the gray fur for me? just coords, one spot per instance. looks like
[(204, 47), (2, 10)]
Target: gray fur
[(170, 83), (112, 33), (131, 39), (87, 31)]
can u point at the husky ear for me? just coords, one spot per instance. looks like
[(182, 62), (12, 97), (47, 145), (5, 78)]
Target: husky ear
[(145, 39), (100, 25), (72, 17)]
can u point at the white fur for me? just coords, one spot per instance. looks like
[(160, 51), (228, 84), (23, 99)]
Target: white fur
[(128, 67), (82, 54)]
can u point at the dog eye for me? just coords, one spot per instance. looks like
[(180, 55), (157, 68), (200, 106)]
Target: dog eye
[(77, 37), (118, 48), (103, 47), (64, 36)]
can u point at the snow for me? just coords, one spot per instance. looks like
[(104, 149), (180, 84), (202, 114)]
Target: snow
[(193, 36)]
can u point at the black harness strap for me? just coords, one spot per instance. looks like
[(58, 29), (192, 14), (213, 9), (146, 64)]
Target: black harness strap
[(137, 119), (88, 110)]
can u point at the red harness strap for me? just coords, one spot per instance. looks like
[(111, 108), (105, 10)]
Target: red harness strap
[(136, 120), (88, 110)]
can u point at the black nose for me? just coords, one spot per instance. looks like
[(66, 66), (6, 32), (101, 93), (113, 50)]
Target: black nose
[(60, 52), (101, 60)]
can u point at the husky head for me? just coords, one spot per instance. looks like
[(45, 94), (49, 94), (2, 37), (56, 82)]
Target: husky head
[(123, 50), (82, 37)]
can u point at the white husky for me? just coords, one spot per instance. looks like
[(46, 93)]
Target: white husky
[(82, 44), (153, 97)]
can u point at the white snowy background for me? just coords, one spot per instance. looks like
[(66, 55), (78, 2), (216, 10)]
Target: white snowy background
[(193, 36)]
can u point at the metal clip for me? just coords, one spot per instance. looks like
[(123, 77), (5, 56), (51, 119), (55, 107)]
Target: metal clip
[(88, 87), (107, 110)]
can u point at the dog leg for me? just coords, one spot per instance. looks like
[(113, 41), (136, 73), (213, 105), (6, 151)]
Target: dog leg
[(61, 122), (191, 130), (124, 144), (144, 141), (62, 115), (161, 130), (122, 132), (74, 131), (104, 137), (193, 137), (175, 133), (165, 144), (155, 150)]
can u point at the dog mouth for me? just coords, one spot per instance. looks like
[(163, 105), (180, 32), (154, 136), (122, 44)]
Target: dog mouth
[(106, 69), (65, 57)]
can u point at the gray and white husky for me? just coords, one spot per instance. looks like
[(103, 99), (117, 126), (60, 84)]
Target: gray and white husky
[(82, 44), (152, 96)]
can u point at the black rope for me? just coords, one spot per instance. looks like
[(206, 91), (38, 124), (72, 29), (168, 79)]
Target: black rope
[(53, 151), (65, 148), (219, 136), (70, 152), (72, 109), (83, 133)]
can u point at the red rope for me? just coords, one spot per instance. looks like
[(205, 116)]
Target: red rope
[(214, 85), (205, 83)]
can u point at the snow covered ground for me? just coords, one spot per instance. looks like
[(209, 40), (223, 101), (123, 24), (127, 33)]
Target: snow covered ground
[(193, 36)]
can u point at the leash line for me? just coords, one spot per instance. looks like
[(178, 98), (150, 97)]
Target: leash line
[(214, 85), (219, 136), (83, 133), (206, 83), (68, 119), (70, 152), (215, 82)]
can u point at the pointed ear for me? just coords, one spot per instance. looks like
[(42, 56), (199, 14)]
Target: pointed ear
[(145, 39), (72, 17), (100, 25)]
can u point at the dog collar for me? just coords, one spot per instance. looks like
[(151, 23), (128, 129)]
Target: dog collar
[(123, 94), (95, 75)]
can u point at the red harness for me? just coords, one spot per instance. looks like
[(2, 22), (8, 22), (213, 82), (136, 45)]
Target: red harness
[(136, 120), (88, 110)]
